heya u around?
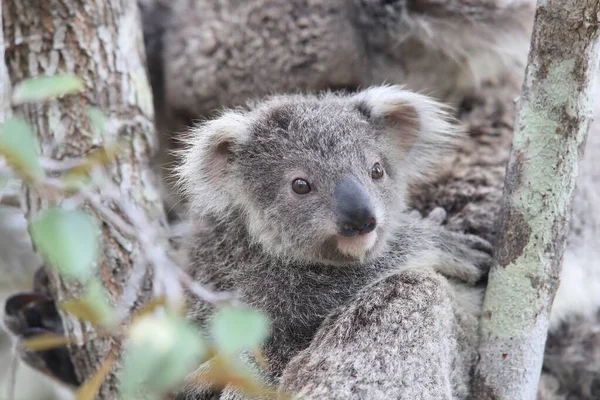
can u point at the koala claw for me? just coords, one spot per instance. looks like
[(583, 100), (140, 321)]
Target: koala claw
[(437, 215), (475, 250)]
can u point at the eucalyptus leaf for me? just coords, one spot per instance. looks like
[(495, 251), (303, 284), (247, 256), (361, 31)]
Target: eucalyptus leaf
[(162, 349), (19, 146), (67, 240), (236, 329), (45, 87), (89, 388), (94, 307), (96, 297), (97, 119)]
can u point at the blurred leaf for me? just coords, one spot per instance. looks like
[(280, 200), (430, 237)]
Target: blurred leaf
[(46, 87), (97, 119), (81, 310), (161, 351), (96, 157), (89, 388), (260, 358), (225, 371), (95, 306), (45, 341), (18, 145), (150, 306), (238, 329), (96, 297), (184, 357), (68, 240)]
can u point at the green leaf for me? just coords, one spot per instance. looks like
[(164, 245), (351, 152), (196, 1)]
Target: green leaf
[(19, 146), (94, 307), (96, 297), (163, 349), (68, 240), (238, 329), (97, 119), (46, 87), (45, 341), (89, 388)]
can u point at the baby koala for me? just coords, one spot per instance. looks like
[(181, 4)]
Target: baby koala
[(307, 196)]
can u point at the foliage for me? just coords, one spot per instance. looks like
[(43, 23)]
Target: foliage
[(158, 346)]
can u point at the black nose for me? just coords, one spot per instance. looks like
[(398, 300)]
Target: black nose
[(354, 207)]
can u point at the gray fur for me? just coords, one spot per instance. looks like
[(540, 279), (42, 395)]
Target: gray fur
[(221, 53), (280, 251), (399, 322), (217, 54)]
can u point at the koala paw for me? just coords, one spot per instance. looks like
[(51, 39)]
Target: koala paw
[(470, 257), (28, 314), (437, 216)]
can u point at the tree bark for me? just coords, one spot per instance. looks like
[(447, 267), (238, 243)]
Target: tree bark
[(4, 80), (552, 123), (100, 41)]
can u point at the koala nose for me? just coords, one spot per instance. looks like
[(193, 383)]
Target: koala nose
[(354, 208)]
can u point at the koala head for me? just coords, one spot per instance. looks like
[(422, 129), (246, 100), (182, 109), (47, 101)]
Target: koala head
[(316, 179)]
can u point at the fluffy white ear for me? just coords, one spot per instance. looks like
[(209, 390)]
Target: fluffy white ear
[(205, 174), (419, 129)]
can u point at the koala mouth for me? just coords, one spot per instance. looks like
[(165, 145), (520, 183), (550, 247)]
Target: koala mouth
[(356, 246)]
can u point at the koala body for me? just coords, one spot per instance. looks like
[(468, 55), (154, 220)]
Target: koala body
[(206, 55), (307, 196), (221, 53), (345, 355)]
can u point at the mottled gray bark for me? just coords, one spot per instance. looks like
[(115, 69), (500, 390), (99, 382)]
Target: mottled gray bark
[(552, 124), (4, 80), (101, 42)]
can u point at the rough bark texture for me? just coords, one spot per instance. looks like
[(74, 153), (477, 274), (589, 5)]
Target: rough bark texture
[(100, 41), (552, 123), (4, 81)]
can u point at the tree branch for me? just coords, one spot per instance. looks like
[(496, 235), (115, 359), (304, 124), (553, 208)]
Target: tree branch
[(101, 42), (552, 123)]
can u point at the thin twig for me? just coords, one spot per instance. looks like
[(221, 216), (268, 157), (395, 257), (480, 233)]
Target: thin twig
[(203, 293), (108, 214), (12, 375), (130, 291), (51, 165)]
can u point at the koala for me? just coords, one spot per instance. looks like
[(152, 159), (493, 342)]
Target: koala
[(470, 53), (346, 357), (219, 54), (206, 55), (408, 336), (307, 196)]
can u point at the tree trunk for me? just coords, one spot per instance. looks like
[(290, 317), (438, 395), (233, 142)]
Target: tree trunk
[(552, 123), (100, 41), (4, 80)]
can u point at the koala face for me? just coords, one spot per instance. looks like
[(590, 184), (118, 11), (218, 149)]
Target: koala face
[(318, 179)]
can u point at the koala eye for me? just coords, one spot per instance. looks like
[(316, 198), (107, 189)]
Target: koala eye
[(300, 186), (377, 171)]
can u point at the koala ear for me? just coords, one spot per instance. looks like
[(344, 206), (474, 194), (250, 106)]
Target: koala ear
[(418, 129), (205, 175)]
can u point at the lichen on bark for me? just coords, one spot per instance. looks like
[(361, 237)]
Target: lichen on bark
[(552, 123)]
